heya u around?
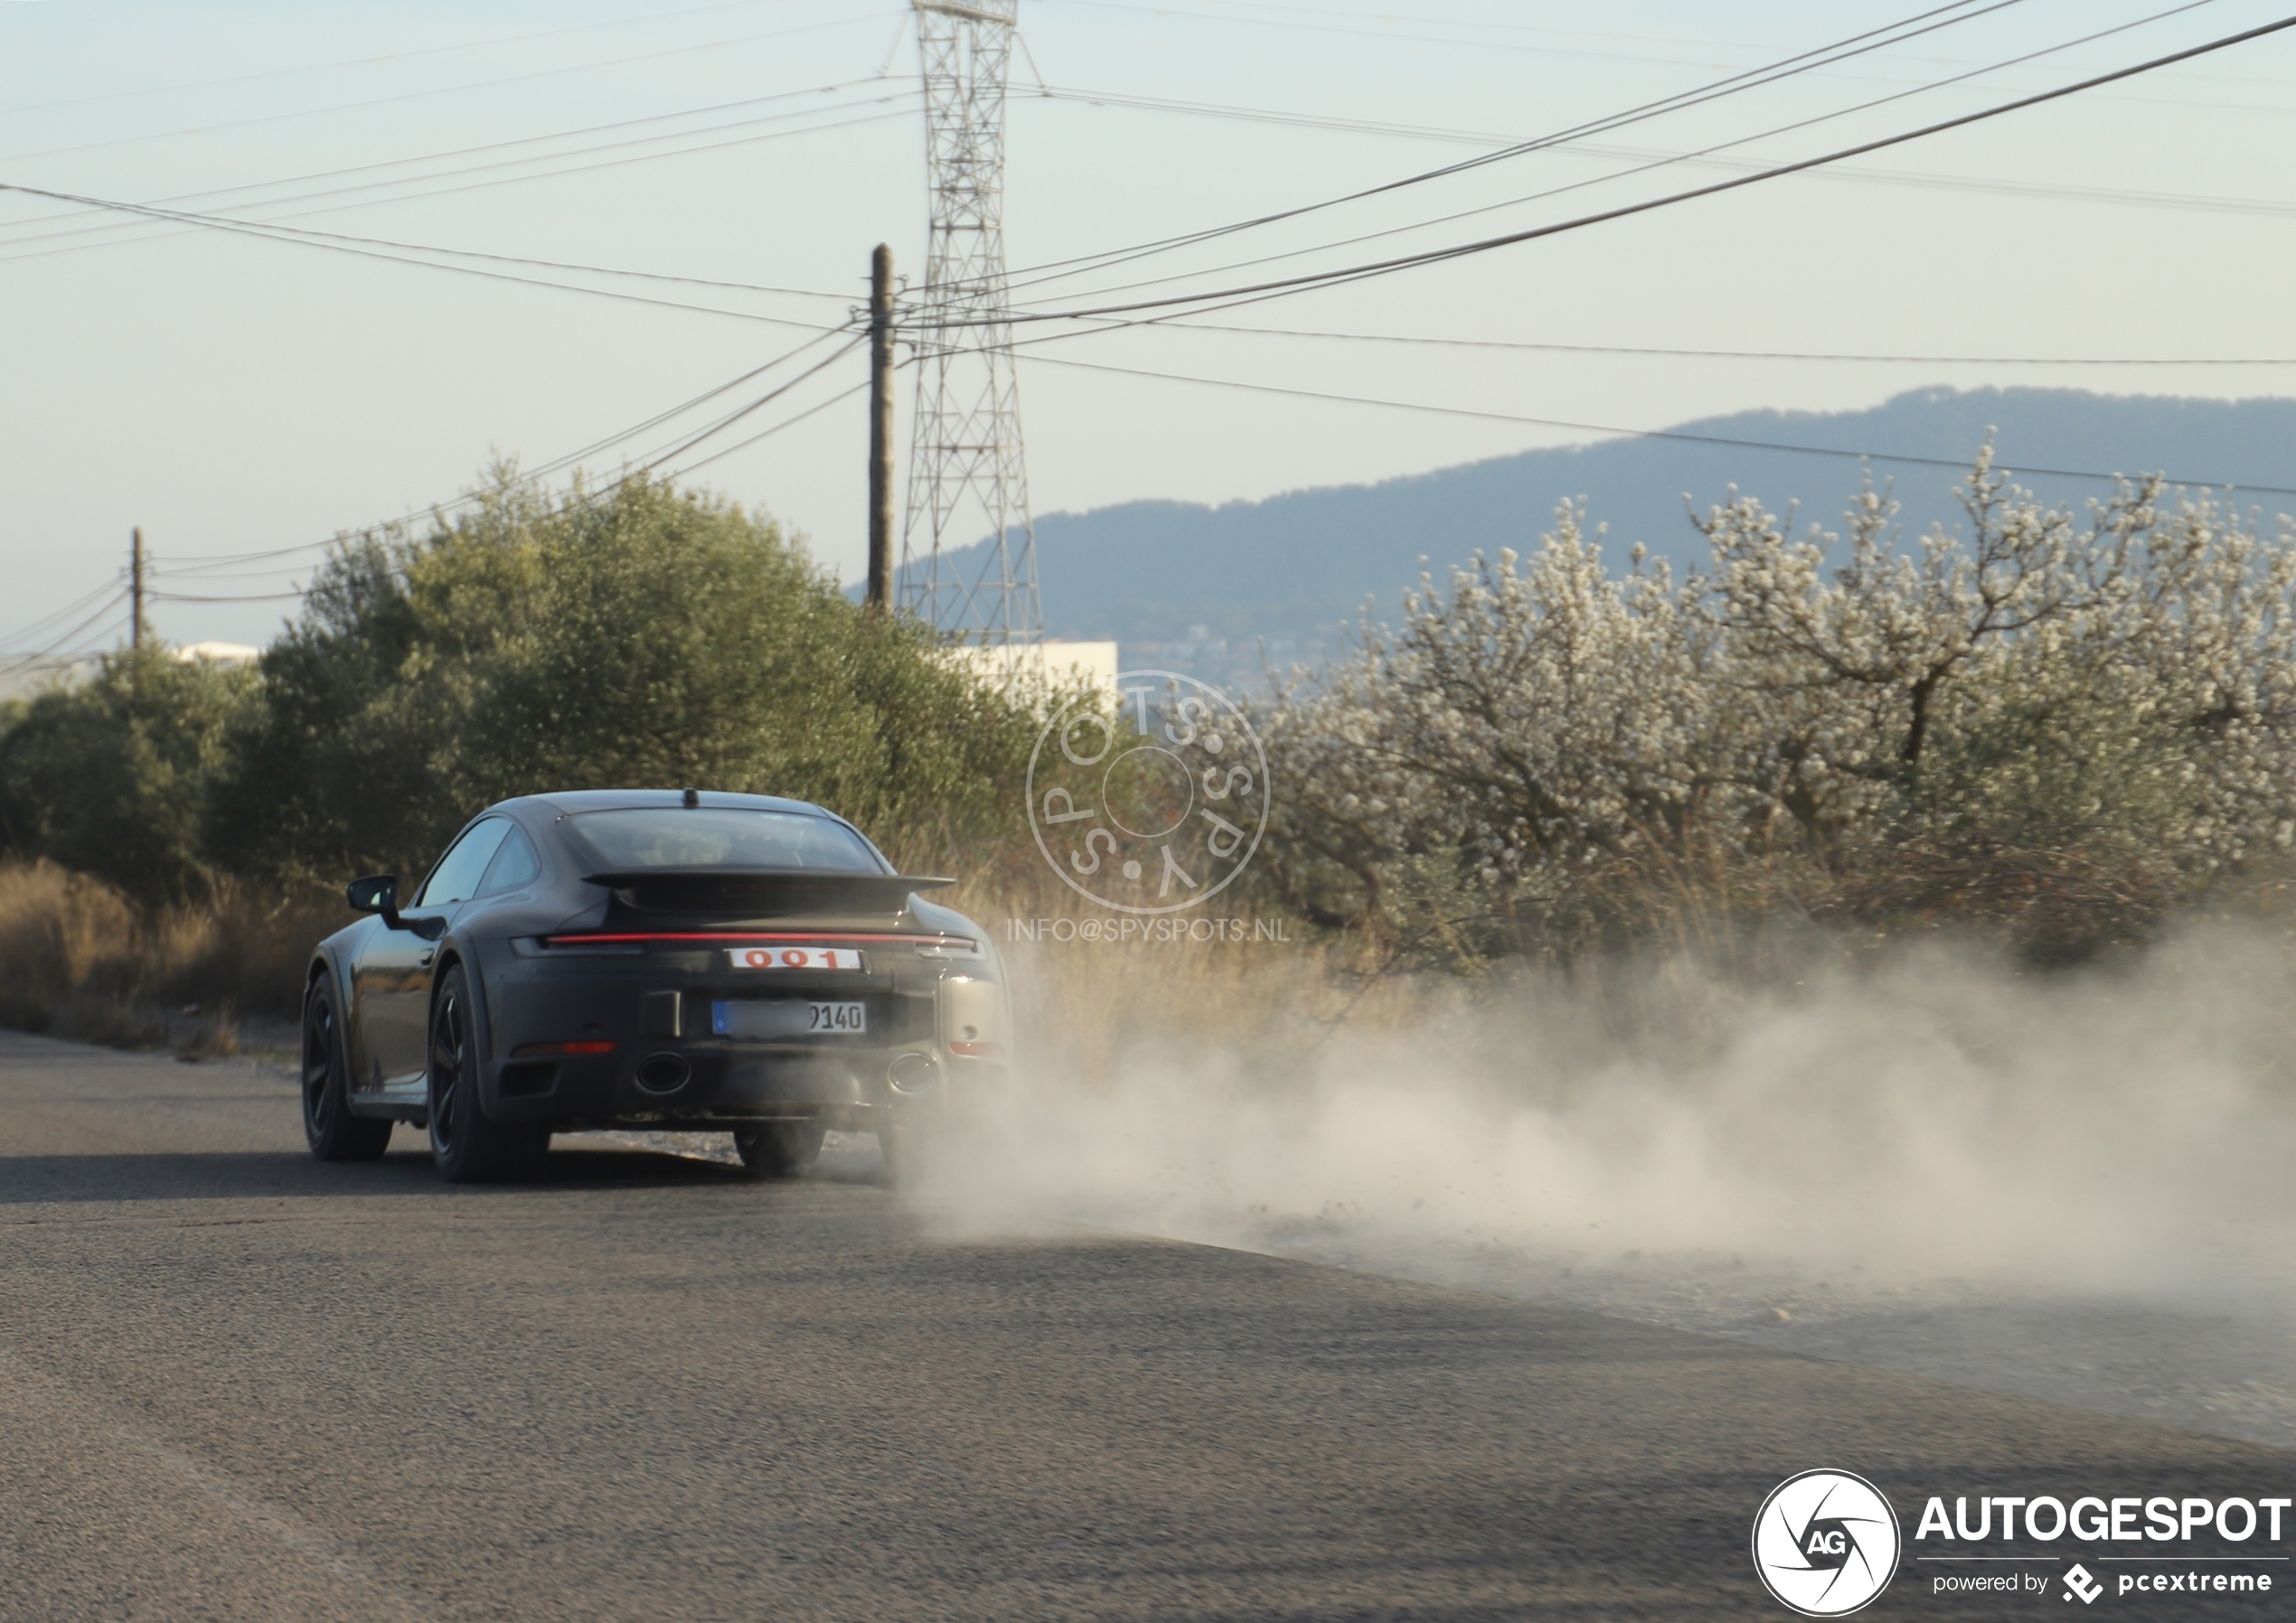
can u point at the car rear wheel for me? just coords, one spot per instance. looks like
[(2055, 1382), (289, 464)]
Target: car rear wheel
[(469, 1146), (333, 1133), (779, 1148)]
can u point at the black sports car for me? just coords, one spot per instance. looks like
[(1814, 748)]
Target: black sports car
[(646, 958)]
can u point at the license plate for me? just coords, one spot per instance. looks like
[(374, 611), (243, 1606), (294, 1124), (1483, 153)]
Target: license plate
[(796, 958), (771, 1021)]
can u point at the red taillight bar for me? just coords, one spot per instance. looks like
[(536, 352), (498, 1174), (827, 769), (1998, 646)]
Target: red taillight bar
[(528, 1050), (730, 936)]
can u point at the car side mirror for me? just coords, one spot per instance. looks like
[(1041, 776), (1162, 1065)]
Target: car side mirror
[(377, 893)]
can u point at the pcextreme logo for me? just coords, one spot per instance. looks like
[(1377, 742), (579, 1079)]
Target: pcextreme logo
[(1825, 1542)]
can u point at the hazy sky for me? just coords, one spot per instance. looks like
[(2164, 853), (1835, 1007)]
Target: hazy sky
[(233, 395)]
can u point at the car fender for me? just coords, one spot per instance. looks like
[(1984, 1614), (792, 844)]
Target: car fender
[(331, 955), (457, 949)]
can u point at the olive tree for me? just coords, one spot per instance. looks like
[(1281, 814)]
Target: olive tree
[(643, 636)]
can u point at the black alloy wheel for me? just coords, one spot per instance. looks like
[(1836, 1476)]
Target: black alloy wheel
[(333, 1133), (469, 1146), (779, 1148)]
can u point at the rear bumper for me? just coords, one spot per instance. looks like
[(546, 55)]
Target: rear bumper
[(851, 1089), (667, 1068)]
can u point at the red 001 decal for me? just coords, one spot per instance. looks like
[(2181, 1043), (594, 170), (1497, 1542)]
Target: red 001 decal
[(794, 958)]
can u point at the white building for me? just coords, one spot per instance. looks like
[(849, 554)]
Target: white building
[(1041, 667)]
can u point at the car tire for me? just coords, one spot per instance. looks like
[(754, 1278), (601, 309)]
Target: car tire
[(333, 1133), (779, 1148), (469, 1146)]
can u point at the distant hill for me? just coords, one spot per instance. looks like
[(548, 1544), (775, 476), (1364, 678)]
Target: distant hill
[(1293, 567)]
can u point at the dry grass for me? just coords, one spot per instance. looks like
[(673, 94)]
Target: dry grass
[(1094, 988), (79, 959)]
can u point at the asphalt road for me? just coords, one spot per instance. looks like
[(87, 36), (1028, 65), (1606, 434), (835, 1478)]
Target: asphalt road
[(241, 1385)]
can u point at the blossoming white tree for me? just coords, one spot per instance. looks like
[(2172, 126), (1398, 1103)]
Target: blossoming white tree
[(2120, 683)]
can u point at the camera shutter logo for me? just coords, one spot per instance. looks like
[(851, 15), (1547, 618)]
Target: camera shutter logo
[(1156, 808), (1826, 1542)]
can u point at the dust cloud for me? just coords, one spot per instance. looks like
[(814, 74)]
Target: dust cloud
[(2016, 1160)]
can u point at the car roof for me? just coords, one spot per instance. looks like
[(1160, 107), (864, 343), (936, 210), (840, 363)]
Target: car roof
[(612, 800)]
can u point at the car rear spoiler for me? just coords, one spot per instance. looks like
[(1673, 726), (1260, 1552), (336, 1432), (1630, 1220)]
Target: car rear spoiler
[(767, 890)]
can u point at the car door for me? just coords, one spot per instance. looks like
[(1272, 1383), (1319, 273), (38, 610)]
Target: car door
[(394, 971)]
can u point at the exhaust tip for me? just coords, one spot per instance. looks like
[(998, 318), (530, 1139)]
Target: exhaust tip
[(913, 1072), (663, 1073)]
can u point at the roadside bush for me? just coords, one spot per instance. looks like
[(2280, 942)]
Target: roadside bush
[(651, 637), (112, 778)]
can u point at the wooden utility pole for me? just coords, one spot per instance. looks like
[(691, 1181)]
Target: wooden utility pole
[(135, 588), (881, 430)]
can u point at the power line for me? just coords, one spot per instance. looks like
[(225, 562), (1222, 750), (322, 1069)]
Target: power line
[(46, 621), (1735, 84), (483, 84), (602, 270), (416, 180), (791, 422), (198, 566), (458, 152), (1182, 325), (62, 643), (574, 457), (512, 180), (468, 253), (1284, 285), (64, 656), (276, 223), (606, 491), (1669, 434), (1660, 161), (1395, 35), (1212, 109), (1643, 58), (709, 431), (366, 61), (192, 565), (274, 232), (650, 465), (221, 561), (205, 575), (2114, 196)]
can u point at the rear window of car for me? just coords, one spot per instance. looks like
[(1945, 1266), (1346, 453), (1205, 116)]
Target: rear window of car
[(721, 837)]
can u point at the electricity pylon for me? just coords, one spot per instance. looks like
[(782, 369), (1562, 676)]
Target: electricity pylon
[(968, 476)]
